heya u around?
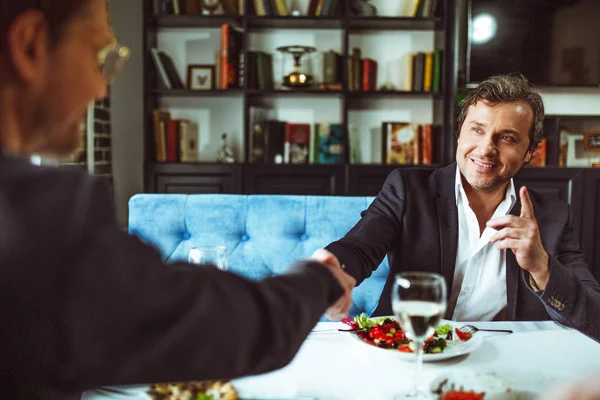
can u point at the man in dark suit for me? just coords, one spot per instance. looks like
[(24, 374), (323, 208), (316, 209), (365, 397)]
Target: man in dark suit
[(83, 303), (503, 256)]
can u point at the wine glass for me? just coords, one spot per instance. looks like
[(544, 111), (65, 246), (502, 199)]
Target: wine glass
[(419, 302), (212, 255)]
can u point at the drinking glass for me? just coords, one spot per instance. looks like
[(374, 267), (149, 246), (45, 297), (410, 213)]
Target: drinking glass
[(214, 255), (419, 302)]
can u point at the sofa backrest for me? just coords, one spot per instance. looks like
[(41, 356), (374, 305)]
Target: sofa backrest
[(263, 233)]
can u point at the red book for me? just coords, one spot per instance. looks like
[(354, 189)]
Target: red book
[(297, 143), (427, 145), (373, 75), (223, 79), (366, 72), (369, 74), (173, 140)]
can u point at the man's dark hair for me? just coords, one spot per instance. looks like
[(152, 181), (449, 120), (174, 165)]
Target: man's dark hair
[(507, 89), (58, 14)]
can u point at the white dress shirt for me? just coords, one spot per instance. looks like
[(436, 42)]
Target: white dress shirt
[(479, 286)]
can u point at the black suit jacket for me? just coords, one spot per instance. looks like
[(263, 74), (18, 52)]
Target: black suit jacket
[(84, 304), (414, 220)]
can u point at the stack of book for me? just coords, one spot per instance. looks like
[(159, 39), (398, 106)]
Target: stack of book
[(281, 142), (260, 70), (405, 143), (175, 140), (422, 72)]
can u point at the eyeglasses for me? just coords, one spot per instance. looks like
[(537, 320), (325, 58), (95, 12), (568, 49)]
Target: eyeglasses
[(112, 59)]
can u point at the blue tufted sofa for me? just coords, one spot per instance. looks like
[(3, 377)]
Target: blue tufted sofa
[(263, 233)]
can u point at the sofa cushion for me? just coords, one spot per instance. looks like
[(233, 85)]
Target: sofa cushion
[(263, 233)]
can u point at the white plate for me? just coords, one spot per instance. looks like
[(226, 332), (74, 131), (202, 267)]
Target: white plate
[(493, 385), (454, 349)]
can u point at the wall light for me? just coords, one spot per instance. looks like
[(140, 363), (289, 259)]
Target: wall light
[(484, 28)]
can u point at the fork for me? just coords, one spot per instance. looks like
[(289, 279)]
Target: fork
[(472, 329), (339, 330)]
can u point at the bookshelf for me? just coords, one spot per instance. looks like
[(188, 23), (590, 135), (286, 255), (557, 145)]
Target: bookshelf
[(340, 31)]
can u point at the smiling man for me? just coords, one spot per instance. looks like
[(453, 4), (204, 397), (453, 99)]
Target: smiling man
[(505, 252)]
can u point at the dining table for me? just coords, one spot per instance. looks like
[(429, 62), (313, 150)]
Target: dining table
[(335, 365)]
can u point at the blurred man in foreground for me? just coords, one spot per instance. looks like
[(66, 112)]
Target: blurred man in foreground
[(83, 303)]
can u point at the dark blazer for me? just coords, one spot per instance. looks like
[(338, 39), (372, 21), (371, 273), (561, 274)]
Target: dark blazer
[(84, 304), (414, 220)]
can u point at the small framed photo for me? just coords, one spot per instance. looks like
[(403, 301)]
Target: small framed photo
[(591, 141), (201, 77)]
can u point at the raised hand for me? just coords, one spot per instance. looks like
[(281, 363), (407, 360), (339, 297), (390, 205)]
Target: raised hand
[(342, 306), (522, 236)]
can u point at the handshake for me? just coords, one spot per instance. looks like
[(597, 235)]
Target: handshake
[(342, 306)]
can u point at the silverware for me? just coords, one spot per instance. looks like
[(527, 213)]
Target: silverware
[(472, 329), (339, 330)]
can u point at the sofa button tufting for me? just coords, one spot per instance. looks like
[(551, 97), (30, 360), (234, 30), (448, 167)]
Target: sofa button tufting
[(245, 238), (304, 237), (186, 236)]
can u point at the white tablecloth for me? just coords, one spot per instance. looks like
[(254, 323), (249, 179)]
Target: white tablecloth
[(333, 365)]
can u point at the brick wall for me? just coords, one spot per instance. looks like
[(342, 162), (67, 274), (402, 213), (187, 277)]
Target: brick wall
[(95, 156), (102, 141)]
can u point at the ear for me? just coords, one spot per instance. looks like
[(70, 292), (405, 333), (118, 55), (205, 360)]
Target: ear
[(27, 44), (528, 156)]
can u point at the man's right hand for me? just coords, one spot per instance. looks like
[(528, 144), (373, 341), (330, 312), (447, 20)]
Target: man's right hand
[(342, 306)]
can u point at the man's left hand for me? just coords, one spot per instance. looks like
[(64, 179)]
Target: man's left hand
[(522, 236)]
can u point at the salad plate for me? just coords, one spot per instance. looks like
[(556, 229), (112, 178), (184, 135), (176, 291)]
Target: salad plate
[(446, 343), (477, 385)]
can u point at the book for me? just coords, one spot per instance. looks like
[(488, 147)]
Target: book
[(312, 8), (399, 142), (427, 145), (275, 141), (172, 140), (428, 72), (331, 143), (192, 7), (231, 57), (259, 8), (160, 69), (188, 141), (296, 145), (281, 8), (160, 119), (538, 159), (174, 78), (257, 151)]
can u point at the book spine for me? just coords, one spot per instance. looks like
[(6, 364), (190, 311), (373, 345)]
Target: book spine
[(366, 68), (428, 72), (162, 73), (427, 144), (172, 141), (259, 8), (224, 56), (312, 8)]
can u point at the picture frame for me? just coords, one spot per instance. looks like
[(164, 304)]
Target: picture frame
[(577, 155), (591, 141), (201, 77)]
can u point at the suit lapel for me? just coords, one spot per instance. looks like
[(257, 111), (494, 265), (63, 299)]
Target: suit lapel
[(448, 222)]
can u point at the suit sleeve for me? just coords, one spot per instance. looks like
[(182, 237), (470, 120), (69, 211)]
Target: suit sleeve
[(128, 318), (572, 295), (363, 248)]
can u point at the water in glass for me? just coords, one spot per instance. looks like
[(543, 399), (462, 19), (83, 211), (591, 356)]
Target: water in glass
[(210, 255), (419, 302)]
